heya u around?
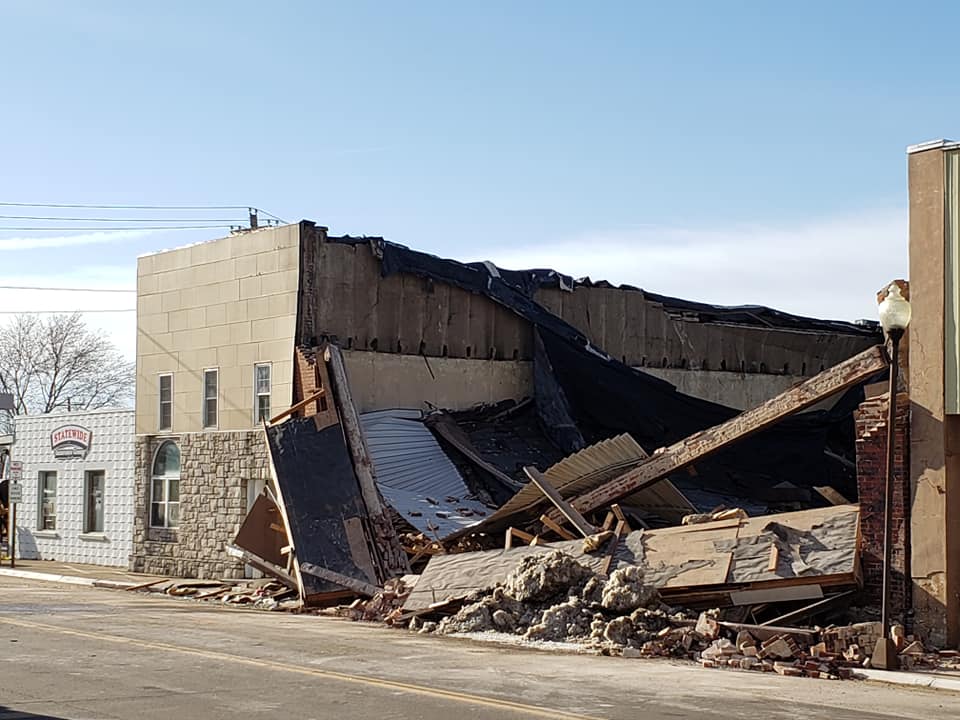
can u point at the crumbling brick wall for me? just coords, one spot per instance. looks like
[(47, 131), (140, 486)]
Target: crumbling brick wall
[(871, 423), (216, 469), (309, 376)]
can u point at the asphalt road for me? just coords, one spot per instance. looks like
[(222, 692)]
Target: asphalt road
[(83, 654)]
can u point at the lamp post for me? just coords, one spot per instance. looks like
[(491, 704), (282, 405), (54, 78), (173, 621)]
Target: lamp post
[(894, 317)]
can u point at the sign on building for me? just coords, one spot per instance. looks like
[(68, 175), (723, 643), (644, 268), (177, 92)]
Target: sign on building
[(70, 441)]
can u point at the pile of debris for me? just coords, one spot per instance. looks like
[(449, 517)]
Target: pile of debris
[(261, 594), (556, 598)]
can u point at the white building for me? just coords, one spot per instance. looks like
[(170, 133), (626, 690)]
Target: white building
[(78, 486)]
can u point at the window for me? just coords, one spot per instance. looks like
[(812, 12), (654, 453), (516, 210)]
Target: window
[(261, 392), (165, 487), (210, 382), (166, 402), (93, 502), (47, 517)]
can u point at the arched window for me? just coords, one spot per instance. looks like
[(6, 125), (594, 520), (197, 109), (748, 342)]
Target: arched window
[(165, 487)]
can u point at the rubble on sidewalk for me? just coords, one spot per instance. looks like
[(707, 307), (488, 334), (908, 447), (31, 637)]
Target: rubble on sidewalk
[(261, 594)]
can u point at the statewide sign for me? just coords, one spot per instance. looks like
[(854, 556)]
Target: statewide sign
[(70, 441), (15, 492)]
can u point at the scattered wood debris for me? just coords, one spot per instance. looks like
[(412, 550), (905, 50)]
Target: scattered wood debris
[(262, 594)]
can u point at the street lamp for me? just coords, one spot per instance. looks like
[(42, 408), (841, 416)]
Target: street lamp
[(894, 317)]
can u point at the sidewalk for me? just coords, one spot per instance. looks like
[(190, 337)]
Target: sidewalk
[(76, 574), (929, 679)]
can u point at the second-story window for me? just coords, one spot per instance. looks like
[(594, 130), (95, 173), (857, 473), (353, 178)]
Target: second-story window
[(261, 392), (210, 383), (166, 402)]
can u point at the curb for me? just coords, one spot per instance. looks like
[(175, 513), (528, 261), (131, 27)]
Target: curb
[(924, 680), (49, 577), (66, 579)]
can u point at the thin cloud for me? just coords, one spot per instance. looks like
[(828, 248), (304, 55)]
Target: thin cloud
[(828, 268), (39, 242)]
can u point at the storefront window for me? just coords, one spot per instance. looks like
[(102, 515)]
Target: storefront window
[(165, 487), (48, 500), (93, 502)]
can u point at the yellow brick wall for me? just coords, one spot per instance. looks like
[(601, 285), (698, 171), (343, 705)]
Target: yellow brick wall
[(226, 304)]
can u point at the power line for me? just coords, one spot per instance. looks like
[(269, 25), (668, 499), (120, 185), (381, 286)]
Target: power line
[(63, 312), (142, 207), (64, 289), (115, 229), (97, 219)]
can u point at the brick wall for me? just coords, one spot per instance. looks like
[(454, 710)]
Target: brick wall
[(216, 472), (309, 376), (871, 421)]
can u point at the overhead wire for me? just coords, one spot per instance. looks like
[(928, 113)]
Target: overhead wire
[(65, 289), (142, 207), (98, 219)]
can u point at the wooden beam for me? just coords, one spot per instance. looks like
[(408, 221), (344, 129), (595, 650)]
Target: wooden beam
[(575, 518), (512, 533), (358, 586), (557, 528), (618, 511), (297, 406), (830, 495), (699, 445), (774, 558), (387, 544), (264, 566)]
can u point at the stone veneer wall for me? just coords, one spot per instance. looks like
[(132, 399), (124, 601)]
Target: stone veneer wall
[(215, 469)]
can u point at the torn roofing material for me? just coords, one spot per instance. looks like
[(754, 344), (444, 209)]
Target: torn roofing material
[(697, 564), (416, 477), (476, 276), (585, 470), (321, 503)]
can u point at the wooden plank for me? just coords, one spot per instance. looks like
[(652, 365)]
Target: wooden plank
[(618, 512), (264, 566), (776, 594), (513, 532), (810, 610), (358, 586), (831, 496), (702, 444), (575, 518), (612, 548), (144, 586), (774, 558), (297, 406), (557, 528), (278, 528), (391, 560)]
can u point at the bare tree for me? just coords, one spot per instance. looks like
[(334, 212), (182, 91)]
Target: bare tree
[(58, 362)]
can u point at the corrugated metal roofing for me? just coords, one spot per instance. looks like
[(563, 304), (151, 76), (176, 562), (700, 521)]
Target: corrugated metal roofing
[(415, 476), (590, 468)]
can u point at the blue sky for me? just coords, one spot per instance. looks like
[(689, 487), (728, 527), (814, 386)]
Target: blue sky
[(725, 152)]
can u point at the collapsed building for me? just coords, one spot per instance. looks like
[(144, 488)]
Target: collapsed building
[(343, 409), (219, 324)]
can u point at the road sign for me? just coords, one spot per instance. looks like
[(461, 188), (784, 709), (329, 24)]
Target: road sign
[(16, 492), (16, 471)]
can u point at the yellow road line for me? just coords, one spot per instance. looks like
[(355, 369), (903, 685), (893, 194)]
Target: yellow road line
[(438, 693)]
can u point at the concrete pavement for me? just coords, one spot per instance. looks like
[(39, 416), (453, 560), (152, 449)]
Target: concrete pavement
[(81, 653)]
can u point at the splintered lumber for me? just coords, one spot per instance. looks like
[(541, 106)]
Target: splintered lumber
[(557, 527), (575, 518), (263, 566), (297, 406), (830, 495), (812, 609), (774, 558), (387, 543), (520, 535), (699, 445), (358, 586)]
